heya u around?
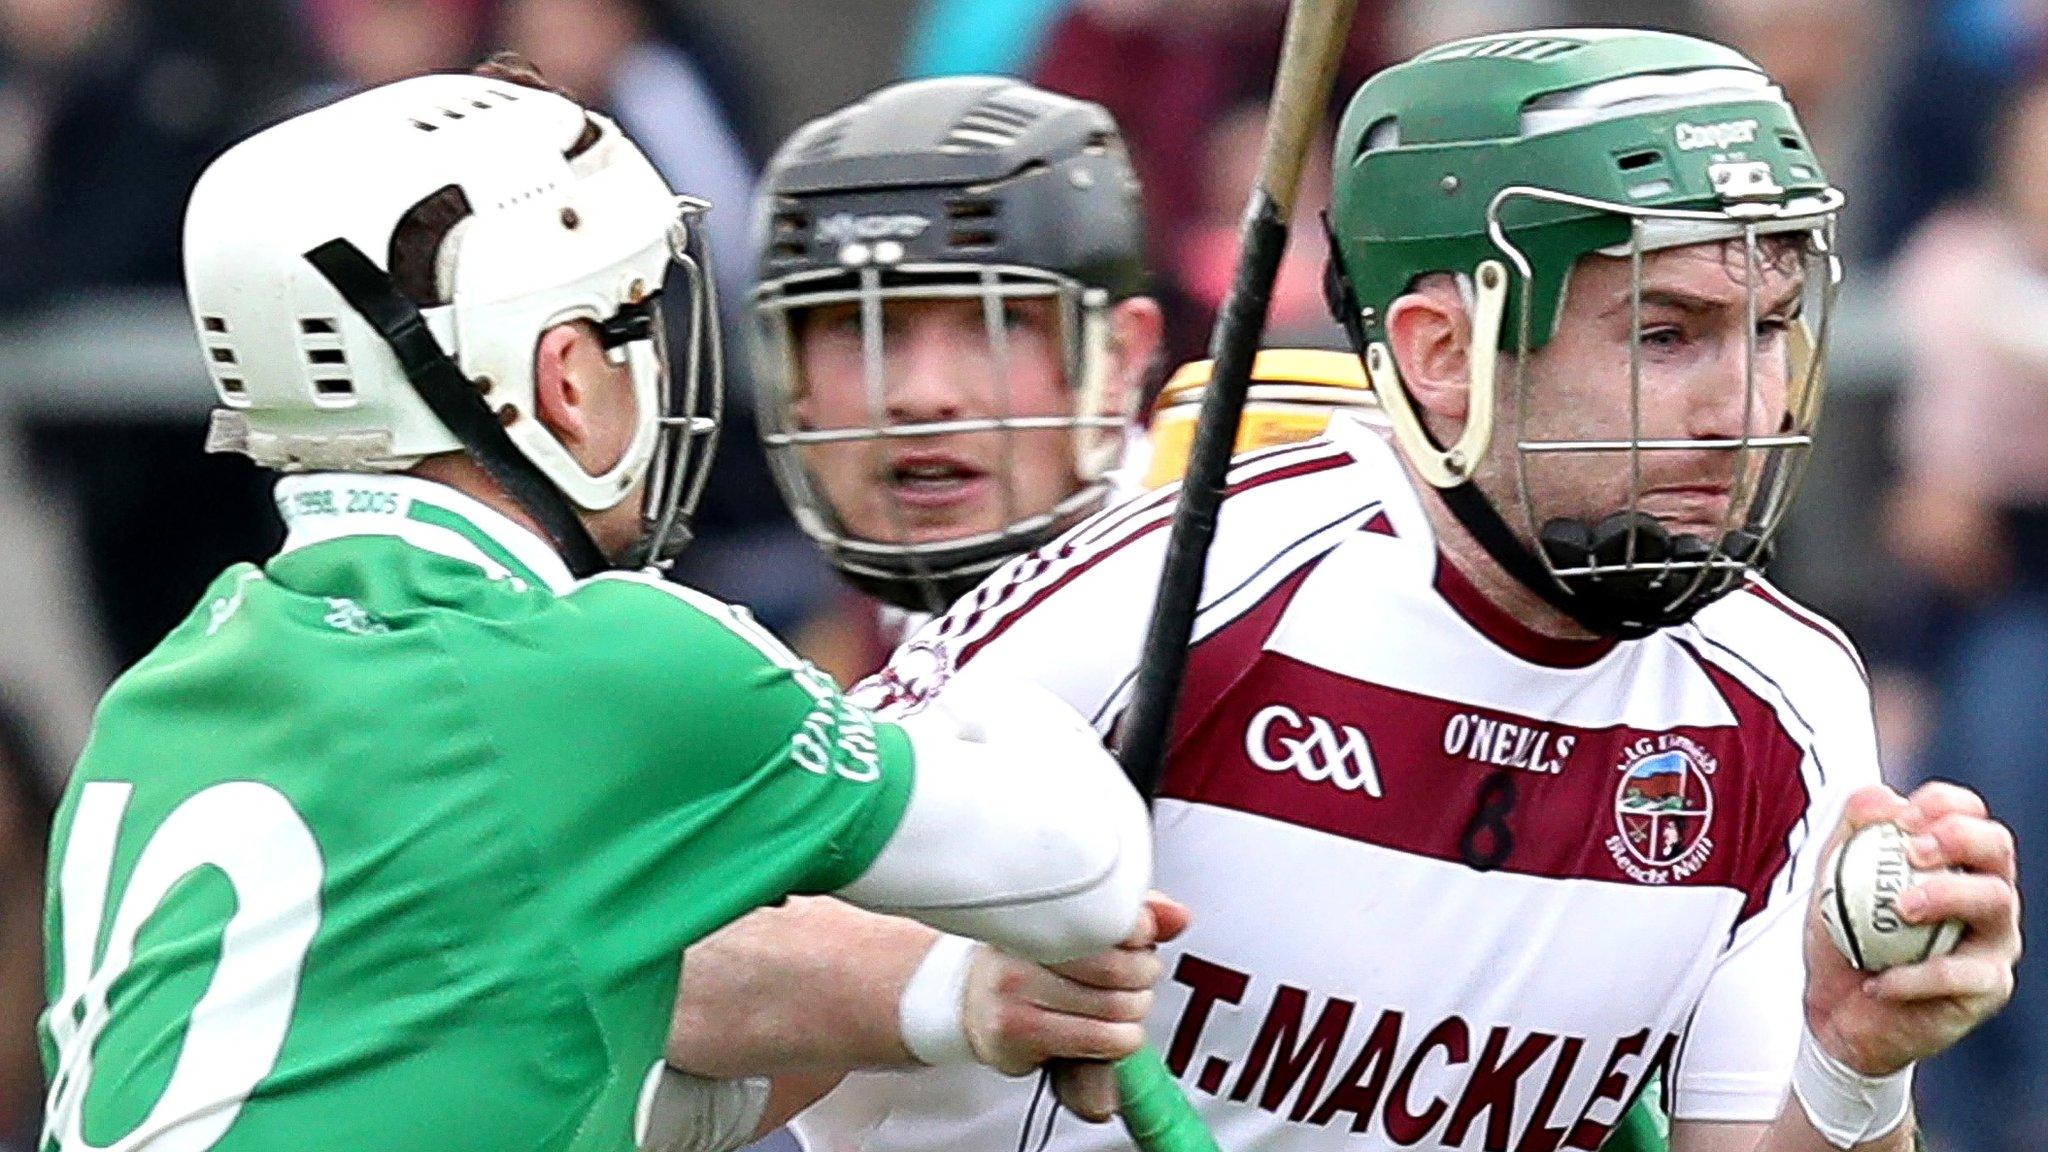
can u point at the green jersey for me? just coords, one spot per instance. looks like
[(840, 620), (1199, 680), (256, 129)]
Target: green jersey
[(396, 842)]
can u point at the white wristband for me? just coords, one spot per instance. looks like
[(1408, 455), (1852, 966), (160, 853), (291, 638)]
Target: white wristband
[(1845, 1106), (930, 1015)]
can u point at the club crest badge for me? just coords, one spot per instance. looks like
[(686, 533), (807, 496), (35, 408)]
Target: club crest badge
[(1663, 809)]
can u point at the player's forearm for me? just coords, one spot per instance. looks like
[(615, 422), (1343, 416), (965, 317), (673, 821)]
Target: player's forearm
[(790, 1094), (810, 986)]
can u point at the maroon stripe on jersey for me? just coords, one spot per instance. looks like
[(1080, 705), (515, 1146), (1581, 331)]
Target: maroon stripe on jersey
[(1380, 524), (1300, 468), (1111, 521), (995, 593), (1219, 660), (965, 615), (1124, 514), (1771, 597), (1693, 805), (1772, 816), (1507, 633)]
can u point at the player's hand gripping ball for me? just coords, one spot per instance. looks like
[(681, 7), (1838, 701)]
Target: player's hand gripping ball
[(1861, 885)]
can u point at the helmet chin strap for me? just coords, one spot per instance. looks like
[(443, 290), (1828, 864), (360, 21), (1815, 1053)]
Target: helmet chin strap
[(1484, 524), (1624, 605), (455, 402)]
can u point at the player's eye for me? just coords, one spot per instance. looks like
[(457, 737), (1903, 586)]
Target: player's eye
[(1661, 337), (839, 323)]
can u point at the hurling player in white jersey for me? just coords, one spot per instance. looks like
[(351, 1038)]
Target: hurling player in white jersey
[(1522, 771), (952, 333), (1501, 777), (843, 429)]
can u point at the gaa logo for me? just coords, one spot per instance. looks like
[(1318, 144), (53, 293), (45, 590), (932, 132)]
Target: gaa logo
[(1279, 739)]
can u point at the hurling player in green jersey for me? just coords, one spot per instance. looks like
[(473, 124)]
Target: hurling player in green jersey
[(396, 842)]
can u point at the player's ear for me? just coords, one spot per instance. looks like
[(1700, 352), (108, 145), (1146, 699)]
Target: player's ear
[(561, 398), (1137, 331), (1429, 332)]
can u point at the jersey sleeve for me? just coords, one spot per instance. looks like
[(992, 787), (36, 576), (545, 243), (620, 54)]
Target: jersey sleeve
[(1736, 1062), (784, 748), (1071, 617), (686, 767)]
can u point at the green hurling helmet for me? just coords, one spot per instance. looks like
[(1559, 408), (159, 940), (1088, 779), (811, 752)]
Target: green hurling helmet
[(1505, 160)]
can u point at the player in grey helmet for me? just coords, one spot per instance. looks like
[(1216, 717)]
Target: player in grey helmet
[(952, 335), (952, 327)]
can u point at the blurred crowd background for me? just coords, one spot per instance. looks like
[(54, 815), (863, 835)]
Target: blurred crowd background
[(1923, 527)]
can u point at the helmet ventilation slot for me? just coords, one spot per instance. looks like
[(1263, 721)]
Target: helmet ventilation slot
[(320, 341), (1528, 49), (789, 229), (425, 122), (221, 357), (978, 219), (1645, 171), (989, 126)]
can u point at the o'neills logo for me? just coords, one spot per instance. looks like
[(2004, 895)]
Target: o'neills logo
[(1506, 744), (1692, 137), (1663, 809), (1279, 739)]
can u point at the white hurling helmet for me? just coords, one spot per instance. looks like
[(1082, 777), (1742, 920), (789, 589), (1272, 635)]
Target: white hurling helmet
[(338, 340)]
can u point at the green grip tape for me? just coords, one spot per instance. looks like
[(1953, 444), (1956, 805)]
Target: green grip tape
[(1155, 1111)]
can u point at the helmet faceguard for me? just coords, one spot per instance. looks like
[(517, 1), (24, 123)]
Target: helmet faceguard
[(1602, 144), (937, 572), (541, 214), (688, 416), (979, 194)]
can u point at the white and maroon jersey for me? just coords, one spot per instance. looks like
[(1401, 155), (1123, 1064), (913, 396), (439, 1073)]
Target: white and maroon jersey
[(1352, 980)]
